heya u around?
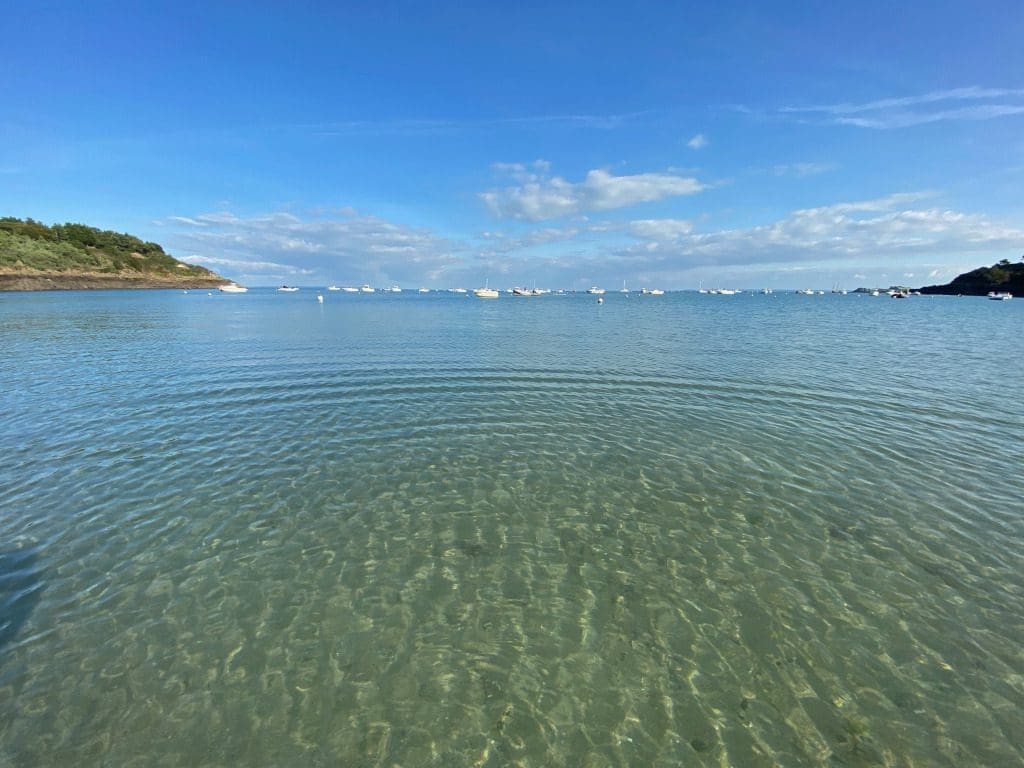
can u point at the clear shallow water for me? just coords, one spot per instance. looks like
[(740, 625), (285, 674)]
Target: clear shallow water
[(432, 530)]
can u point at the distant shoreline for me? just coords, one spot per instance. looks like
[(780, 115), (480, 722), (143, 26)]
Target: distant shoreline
[(82, 281)]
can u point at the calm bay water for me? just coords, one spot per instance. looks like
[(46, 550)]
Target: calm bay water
[(429, 530)]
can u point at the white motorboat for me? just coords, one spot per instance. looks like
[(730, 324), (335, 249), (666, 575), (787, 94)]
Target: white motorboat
[(655, 292), (333, 288), (1000, 295), (595, 290), (366, 288), (349, 289), (287, 289), (424, 290), (232, 288)]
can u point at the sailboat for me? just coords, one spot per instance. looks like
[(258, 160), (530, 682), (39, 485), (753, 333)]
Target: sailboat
[(486, 292)]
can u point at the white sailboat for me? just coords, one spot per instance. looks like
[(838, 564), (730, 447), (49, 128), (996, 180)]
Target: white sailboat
[(486, 292)]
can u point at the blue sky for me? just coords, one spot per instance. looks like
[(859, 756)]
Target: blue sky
[(560, 144)]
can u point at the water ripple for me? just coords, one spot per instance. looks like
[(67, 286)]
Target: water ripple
[(436, 532)]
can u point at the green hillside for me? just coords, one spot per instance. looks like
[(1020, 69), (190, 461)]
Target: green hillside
[(1004, 276), (34, 255)]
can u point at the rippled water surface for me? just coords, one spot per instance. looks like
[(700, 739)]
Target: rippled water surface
[(429, 530)]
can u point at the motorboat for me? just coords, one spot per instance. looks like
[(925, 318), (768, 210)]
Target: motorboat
[(366, 288), (1000, 295), (232, 288), (287, 289), (595, 290), (333, 288), (424, 290), (656, 292)]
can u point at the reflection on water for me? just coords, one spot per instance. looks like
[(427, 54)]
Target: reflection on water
[(435, 531)]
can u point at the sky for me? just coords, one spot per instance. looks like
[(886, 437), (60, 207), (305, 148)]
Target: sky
[(672, 145)]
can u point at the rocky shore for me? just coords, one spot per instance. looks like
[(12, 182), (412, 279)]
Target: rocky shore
[(79, 281)]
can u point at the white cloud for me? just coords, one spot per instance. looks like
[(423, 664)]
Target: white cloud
[(538, 196), (698, 142), (972, 103)]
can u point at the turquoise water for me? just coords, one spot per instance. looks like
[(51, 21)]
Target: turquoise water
[(429, 530)]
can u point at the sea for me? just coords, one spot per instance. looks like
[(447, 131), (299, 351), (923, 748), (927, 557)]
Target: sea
[(433, 530)]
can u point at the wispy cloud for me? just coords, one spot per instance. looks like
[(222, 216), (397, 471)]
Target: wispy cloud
[(698, 142), (537, 195), (865, 230), (245, 265), (661, 230), (343, 246), (803, 169), (501, 242), (973, 103), (426, 127)]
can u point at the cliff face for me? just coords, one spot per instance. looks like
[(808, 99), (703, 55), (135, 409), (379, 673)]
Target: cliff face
[(36, 257), (1003, 276)]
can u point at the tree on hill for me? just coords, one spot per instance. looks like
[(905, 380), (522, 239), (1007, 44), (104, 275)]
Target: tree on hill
[(1001, 276), (31, 245)]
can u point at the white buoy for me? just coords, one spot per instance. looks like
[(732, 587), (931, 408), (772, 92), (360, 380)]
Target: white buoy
[(320, 298), (600, 301)]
